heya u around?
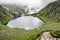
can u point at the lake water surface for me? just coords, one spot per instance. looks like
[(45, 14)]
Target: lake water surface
[(26, 22)]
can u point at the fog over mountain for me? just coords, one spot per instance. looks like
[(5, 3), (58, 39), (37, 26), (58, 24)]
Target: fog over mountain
[(33, 6)]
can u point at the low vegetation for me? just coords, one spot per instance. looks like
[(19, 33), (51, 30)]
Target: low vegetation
[(5, 16), (50, 15)]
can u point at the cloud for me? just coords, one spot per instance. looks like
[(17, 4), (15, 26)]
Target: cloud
[(20, 1), (29, 3), (26, 2)]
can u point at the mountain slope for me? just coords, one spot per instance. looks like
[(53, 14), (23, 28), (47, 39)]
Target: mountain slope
[(21, 34), (5, 16), (51, 11)]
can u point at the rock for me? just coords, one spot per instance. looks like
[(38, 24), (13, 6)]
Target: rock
[(47, 36)]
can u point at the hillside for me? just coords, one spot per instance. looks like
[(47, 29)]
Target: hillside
[(51, 11), (5, 16), (50, 15)]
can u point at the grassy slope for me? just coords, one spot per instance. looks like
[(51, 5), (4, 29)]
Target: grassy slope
[(5, 16), (51, 11), (21, 34)]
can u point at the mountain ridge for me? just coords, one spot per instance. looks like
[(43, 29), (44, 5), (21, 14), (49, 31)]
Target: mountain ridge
[(51, 11)]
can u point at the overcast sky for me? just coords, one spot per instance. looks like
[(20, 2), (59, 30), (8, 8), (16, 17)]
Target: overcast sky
[(30, 3)]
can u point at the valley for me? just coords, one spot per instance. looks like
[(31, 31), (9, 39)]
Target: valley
[(50, 15)]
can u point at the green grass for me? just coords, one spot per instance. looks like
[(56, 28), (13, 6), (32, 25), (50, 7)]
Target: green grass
[(55, 33), (8, 18), (50, 24), (21, 34), (5, 16), (2, 27)]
